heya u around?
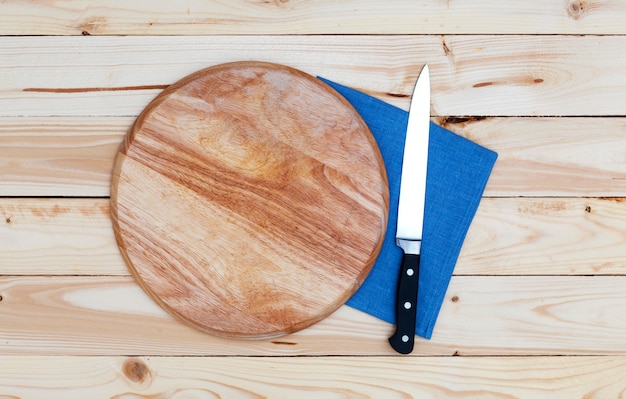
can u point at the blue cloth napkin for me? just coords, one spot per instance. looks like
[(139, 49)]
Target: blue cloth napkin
[(458, 170)]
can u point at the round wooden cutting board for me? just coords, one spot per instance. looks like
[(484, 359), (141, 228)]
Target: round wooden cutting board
[(249, 200)]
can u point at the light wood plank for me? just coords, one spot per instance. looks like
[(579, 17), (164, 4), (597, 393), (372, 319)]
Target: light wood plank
[(73, 156), (546, 236), (481, 315), (114, 75), (521, 315), (112, 315), (509, 236), (381, 377), (59, 156), (310, 17), (471, 75), (58, 236), (550, 156)]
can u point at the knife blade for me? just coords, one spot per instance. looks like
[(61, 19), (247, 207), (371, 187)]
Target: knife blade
[(411, 213)]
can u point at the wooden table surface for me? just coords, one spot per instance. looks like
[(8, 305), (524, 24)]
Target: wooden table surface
[(536, 306)]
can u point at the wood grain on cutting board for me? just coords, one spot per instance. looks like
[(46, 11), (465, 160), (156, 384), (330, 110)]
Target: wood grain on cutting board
[(250, 200)]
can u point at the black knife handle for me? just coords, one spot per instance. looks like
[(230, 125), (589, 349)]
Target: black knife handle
[(406, 305)]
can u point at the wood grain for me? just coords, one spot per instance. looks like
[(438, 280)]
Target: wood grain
[(592, 377), (543, 156), (250, 200), (509, 236), (112, 315), (546, 236), (48, 236), (542, 269), (281, 17), (47, 156), (481, 316), (551, 157), (509, 75), (541, 274)]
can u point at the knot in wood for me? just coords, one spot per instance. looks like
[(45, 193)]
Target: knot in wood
[(137, 371), (576, 9)]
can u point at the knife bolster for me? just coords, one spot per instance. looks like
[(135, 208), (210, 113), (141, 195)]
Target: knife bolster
[(409, 246)]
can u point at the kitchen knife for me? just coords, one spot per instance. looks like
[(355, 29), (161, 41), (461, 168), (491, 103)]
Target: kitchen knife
[(411, 213)]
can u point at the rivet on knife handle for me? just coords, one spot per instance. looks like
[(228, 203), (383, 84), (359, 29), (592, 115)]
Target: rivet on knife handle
[(406, 305)]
